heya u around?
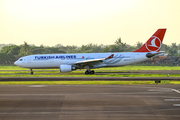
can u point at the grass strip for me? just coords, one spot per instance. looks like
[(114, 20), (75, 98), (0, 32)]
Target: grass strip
[(130, 67), (84, 82), (28, 72), (106, 75)]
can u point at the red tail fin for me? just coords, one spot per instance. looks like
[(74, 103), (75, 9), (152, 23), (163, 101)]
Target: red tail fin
[(154, 42)]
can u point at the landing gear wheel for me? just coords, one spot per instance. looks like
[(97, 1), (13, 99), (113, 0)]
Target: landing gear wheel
[(32, 73), (92, 72), (87, 72)]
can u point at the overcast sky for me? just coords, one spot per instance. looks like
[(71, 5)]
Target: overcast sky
[(78, 22)]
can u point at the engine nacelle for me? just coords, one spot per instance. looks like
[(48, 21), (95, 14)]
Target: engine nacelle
[(66, 68), (149, 55)]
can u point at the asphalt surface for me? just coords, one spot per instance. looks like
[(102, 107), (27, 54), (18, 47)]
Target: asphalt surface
[(116, 71), (97, 72), (89, 102), (87, 78)]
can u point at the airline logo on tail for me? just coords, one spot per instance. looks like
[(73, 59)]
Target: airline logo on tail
[(154, 42)]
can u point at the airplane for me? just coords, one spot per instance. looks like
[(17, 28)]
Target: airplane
[(88, 61)]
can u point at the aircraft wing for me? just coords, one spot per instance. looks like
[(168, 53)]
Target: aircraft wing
[(92, 62)]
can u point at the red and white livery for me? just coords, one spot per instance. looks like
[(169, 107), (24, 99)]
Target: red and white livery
[(88, 61)]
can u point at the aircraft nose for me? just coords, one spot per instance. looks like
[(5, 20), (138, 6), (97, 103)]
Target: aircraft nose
[(16, 62)]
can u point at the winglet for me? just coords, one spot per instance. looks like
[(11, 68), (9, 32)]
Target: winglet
[(111, 56)]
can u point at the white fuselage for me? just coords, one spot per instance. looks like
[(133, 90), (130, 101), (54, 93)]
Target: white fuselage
[(55, 60)]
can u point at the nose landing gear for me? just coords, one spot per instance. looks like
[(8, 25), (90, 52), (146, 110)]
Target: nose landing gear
[(31, 72)]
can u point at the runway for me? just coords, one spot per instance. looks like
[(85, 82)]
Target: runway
[(89, 102), (87, 78), (97, 72)]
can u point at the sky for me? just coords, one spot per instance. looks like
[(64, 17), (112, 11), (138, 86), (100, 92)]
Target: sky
[(80, 22)]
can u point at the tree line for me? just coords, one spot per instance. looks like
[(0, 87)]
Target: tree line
[(10, 53)]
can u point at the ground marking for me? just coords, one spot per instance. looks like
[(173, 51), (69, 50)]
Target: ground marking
[(175, 90), (161, 90), (164, 90), (37, 86), (28, 113), (177, 105), (171, 99)]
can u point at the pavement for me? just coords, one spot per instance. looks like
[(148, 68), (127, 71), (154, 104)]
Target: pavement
[(89, 102), (87, 78), (97, 72)]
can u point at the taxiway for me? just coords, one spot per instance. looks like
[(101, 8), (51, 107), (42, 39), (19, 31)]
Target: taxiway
[(89, 102)]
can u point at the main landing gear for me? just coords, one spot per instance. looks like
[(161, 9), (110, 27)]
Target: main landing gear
[(89, 72), (31, 72)]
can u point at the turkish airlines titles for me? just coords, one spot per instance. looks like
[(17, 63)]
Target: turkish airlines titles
[(55, 57)]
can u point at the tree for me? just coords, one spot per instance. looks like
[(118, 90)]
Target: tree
[(58, 45), (138, 45), (172, 52), (71, 49), (118, 41), (89, 48), (13, 49), (7, 58), (25, 49), (164, 47), (7, 54), (173, 49), (37, 50)]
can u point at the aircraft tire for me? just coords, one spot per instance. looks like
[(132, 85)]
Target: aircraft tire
[(87, 72), (92, 72)]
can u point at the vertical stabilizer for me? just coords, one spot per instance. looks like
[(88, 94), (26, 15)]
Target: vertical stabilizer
[(154, 42)]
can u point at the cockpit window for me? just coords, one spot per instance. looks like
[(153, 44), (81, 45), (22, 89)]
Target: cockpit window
[(20, 59)]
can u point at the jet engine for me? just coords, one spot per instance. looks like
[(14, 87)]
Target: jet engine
[(149, 55), (67, 68)]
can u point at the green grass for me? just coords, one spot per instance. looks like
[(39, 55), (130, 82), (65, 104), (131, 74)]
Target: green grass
[(58, 72), (110, 71), (28, 72), (24, 72), (130, 67), (12, 68), (83, 75), (83, 82)]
